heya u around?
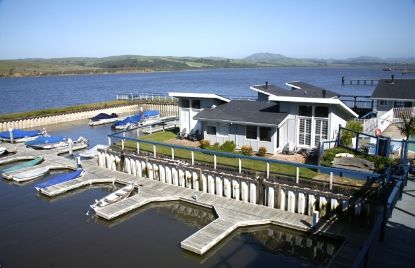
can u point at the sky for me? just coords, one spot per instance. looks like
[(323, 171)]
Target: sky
[(223, 28)]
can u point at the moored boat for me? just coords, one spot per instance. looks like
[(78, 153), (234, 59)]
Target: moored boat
[(150, 117), (103, 118), (19, 135), (93, 151), (60, 178), (128, 123), (3, 150), (114, 197), (49, 142), (26, 164)]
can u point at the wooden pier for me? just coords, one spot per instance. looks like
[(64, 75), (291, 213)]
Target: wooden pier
[(360, 81)]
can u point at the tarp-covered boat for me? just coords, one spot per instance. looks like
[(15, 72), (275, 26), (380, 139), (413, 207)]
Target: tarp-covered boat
[(114, 197), (103, 118), (60, 178), (20, 135), (26, 164), (129, 122), (93, 151), (47, 142), (150, 117)]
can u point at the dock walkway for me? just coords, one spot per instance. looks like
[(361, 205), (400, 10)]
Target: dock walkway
[(231, 213)]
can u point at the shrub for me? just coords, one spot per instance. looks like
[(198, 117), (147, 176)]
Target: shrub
[(346, 136), (262, 151), (246, 150), (228, 146), (204, 144), (215, 147)]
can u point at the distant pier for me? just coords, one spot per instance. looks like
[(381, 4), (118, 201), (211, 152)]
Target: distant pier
[(359, 81)]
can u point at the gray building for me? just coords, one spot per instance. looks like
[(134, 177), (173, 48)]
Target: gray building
[(394, 93), (296, 118)]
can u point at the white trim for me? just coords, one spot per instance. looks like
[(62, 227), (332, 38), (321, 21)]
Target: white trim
[(313, 100), (258, 90), (198, 95)]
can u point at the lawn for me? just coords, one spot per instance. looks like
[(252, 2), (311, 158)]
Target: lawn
[(253, 165)]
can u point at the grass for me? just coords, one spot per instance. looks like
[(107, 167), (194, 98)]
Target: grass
[(253, 165)]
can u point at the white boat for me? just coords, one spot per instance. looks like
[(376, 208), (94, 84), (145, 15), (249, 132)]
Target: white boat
[(102, 119), (114, 197), (93, 151), (2, 150)]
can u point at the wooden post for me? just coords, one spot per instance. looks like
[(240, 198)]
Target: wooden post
[(122, 144), (154, 151), (240, 165), (193, 158), (70, 143), (172, 153), (297, 175), (331, 181), (214, 161), (109, 141), (138, 147), (11, 135)]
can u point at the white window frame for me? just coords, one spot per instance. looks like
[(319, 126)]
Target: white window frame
[(310, 131), (322, 119)]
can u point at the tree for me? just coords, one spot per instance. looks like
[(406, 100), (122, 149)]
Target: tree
[(346, 137), (407, 128)]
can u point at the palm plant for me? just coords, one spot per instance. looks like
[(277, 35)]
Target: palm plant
[(407, 128)]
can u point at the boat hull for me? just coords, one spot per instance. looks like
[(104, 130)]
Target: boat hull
[(114, 197)]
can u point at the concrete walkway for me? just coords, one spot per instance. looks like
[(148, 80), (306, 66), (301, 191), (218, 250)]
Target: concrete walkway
[(398, 248)]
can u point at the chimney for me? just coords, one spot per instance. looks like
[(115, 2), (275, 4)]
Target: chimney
[(266, 84), (324, 93)]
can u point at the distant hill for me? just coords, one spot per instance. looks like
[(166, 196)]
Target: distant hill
[(137, 63)]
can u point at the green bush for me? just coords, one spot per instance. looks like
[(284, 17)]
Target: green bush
[(329, 155), (246, 150), (262, 151), (215, 147), (204, 144), (346, 136), (228, 146)]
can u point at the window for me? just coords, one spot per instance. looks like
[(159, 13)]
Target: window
[(184, 103), (265, 134), (304, 110), (383, 102), (304, 133), (321, 111), (211, 130), (251, 132), (223, 129), (196, 104), (321, 131)]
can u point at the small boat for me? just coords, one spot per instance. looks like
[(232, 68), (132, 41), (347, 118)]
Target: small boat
[(93, 151), (26, 164), (150, 117), (114, 197), (103, 118), (128, 123), (47, 142), (20, 135), (3, 150), (60, 178)]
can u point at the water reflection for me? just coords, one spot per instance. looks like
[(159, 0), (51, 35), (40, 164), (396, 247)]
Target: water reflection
[(189, 214)]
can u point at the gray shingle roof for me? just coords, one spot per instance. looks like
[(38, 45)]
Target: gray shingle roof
[(302, 90), (399, 89), (243, 111)]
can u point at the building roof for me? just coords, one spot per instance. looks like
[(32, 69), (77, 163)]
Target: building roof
[(244, 112), (396, 89), (198, 95), (298, 89)]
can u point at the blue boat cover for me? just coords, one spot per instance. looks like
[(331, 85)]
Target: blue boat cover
[(103, 116), (129, 120), (44, 140), (151, 113), (19, 134), (60, 178)]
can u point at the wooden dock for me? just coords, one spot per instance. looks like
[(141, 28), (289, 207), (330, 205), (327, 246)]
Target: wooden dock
[(359, 81)]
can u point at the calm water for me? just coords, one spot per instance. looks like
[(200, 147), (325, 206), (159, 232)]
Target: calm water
[(29, 93), (37, 231), (41, 232)]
